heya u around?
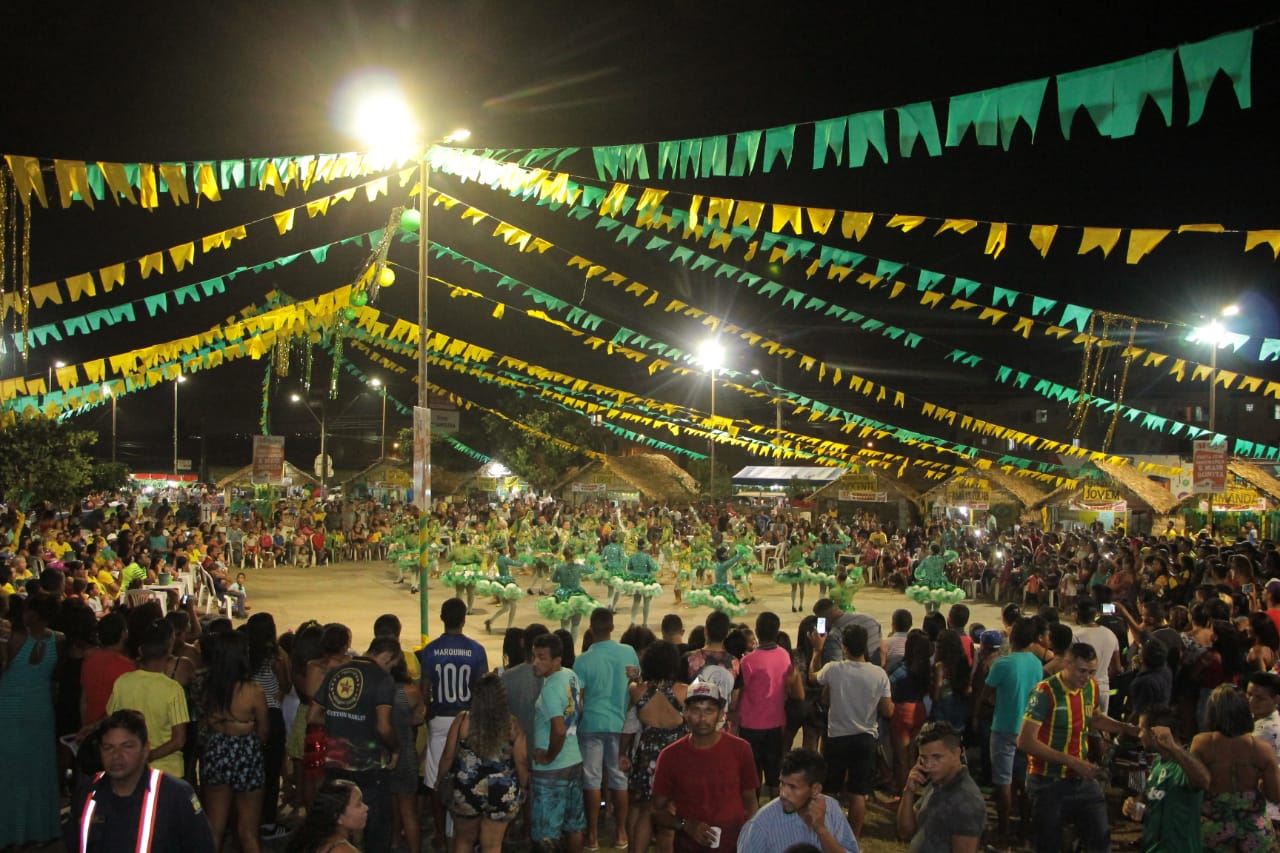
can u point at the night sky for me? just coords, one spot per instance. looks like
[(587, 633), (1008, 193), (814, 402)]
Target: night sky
[(144, 82)]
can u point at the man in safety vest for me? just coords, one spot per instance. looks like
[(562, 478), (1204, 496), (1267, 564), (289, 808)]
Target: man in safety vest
[(134, 808)]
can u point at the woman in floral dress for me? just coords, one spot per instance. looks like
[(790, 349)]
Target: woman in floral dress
[(487, 763), (659, 703)]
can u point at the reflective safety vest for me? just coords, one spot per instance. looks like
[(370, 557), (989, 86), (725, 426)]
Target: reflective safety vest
[(146, 817)]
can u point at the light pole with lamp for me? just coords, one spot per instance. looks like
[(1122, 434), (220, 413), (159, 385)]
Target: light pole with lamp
[(176, 383), (324, 458), (57, 365), (106, 389), (711, 356), (386, 124), (1215, 335), (382, 452)]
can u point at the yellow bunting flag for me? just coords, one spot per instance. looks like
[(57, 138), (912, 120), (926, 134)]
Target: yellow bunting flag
[(284, 220), (81, 285), (117, 182), (42, 293), (27, 178), (111, 276), (73, 180), (855, 224), (1042, 237), (175, 176), (1253, 239), (148, 195), (207, 183), (960, 226), (182, 255), (1098, 238), (996, 239), (153, 262), (905, 221), (820, 218), (788, 214), (1142, 241), (748, 213)]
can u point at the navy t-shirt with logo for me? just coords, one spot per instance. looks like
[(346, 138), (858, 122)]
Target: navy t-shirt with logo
[(350, 696), (451, 664)]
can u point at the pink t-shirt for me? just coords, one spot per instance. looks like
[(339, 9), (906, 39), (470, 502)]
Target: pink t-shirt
[(764, 693)]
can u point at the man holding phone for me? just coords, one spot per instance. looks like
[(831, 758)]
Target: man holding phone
[(941, 807)]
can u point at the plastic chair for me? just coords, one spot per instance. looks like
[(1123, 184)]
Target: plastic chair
[(213, 602)]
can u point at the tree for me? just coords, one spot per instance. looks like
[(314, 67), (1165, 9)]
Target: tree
[(108, 476), (700, 470), (537, 460), (42, 459)]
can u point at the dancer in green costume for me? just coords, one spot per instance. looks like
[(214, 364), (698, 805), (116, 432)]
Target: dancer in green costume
[(570, 602), (464, 570), (502, 586)]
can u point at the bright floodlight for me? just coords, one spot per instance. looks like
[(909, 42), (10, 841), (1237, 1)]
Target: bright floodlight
[(59, 364), (1231, 310), (294, 398), (1211, 333), (459, 135), (755, 371), (711, 354), (386, 125), (375, 382), (182, 378)]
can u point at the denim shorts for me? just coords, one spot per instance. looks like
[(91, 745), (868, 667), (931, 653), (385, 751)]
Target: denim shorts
[(1006, 760), (600, 756)]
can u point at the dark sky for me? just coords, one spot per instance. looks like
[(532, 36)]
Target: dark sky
[(131, 82)]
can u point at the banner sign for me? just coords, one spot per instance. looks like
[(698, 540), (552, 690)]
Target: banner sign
[(589, 487), (268, 460), (864, 496), (1099, 499), (1209, 468), (1236, 499)]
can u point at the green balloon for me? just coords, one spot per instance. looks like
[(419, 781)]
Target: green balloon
[(349, 313), (360, 298), (410, 220)]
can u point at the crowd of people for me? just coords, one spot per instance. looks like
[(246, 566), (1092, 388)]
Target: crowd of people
[(1136, 667)]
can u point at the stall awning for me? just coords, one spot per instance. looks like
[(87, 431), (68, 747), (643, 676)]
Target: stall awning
[(783, 474)]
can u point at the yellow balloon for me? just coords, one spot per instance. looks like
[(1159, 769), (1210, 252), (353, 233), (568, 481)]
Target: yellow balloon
[(386, 277)]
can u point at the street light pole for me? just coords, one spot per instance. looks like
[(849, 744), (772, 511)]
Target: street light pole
[(176, 383), (382, 453), (711, 480), (324, 456), (422, 414), (113, 424)]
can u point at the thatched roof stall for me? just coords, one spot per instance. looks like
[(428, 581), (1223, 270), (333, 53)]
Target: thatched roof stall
[(383, 481), (976, 495), (647, 476), (243, 478), (868, 490), (1115, 494), (1256, 476)]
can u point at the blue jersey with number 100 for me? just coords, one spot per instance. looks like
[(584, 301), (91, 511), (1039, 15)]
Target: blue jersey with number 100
[(452, 663)]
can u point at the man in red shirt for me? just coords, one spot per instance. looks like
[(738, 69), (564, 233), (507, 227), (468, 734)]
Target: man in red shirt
[(704, 786), (102, 667)]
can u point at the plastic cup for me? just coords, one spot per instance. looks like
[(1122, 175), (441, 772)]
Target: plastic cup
[(715, 836)]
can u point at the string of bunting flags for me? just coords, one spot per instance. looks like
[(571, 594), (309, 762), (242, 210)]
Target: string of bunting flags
[(143, 184), (86, 284), (514, 236), (723, 220), (1113, 96), (1047, 388)]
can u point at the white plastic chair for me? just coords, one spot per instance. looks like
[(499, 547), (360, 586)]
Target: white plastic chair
[(213, 603)]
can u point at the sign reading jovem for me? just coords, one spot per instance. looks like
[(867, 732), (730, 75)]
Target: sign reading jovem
[(1209, 468)]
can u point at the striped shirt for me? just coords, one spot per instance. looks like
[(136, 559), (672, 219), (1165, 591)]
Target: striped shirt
[(1063, 715)]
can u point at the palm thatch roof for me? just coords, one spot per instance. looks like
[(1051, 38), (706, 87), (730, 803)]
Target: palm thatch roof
[(244, 476), (1024, 490), (1256, 476), (445, 483), (1019, 489), (1147, 490), (653, 475), (833, 488)]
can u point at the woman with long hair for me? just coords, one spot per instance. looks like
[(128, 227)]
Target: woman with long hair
[(232, 764), (951, 677), (335, 650), (338, 813), (1243, 776), (908, 685), (408, 712), (270, 668), (659, 702), (485, 766), (806, 715), (1266, 642)]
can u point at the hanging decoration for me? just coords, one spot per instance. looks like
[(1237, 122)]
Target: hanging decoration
[(1112, 96), (86, 283), (728, 219), (264, 419), (142, 184)]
